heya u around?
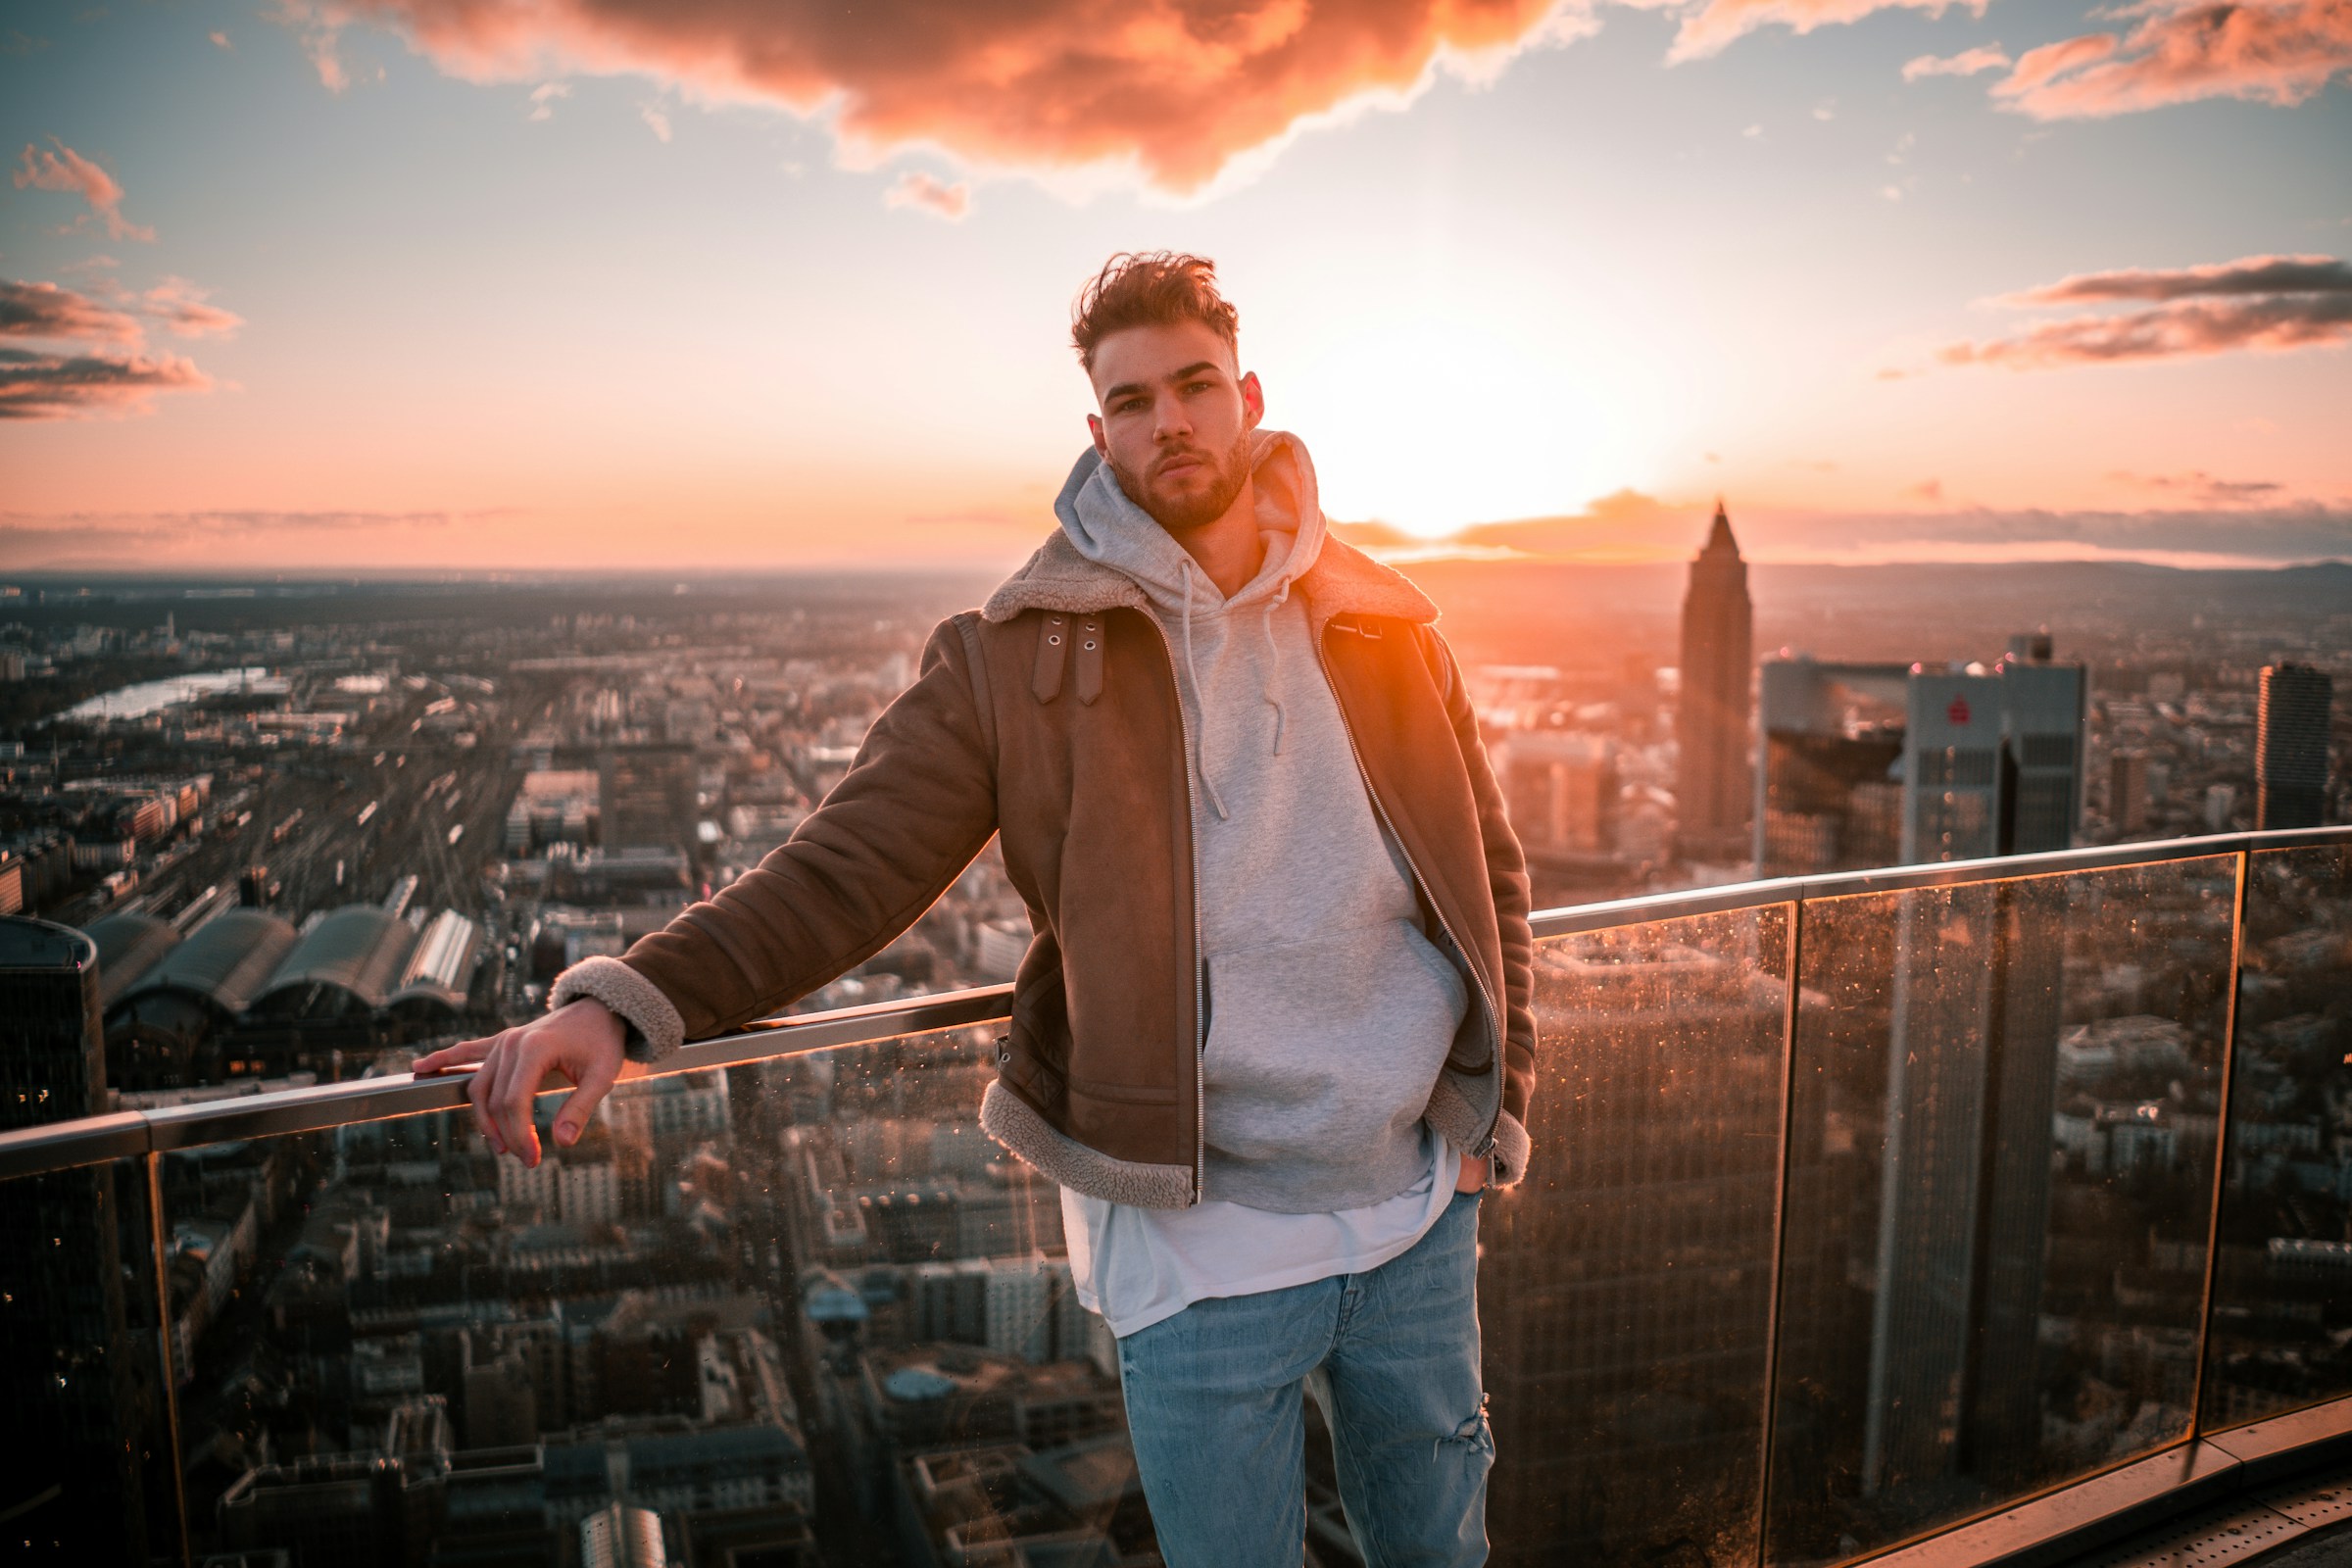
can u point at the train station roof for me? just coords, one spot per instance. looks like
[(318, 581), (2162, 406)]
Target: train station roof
[(440, 968), (358, 951), (225, 960), (129, 946)]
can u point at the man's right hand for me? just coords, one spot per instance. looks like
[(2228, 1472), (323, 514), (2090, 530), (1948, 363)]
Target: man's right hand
[(580, 1042)]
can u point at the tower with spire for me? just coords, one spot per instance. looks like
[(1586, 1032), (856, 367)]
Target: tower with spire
[(1715, 789)]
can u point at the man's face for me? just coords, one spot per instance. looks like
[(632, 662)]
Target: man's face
[(1175, 420)]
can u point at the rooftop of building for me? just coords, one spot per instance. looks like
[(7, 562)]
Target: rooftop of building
[(224, 962)]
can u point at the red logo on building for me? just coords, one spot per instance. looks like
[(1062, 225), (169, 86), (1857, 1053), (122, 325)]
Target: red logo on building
[(1958, 711)]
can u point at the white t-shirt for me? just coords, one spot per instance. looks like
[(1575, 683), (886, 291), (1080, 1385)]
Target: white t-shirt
[(1137, 1266)]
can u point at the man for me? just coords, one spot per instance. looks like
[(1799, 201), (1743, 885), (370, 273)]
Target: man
[(1272, 1035)]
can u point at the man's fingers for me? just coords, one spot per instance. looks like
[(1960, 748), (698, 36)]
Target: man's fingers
[(510, 1102), (591, 1081), (462, 1053), (478, 1091), (512, 1072)]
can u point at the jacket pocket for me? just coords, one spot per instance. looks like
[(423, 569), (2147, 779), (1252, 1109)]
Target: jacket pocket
[(1329, 1046)]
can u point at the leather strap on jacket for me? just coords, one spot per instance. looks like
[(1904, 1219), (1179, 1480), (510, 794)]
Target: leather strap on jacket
[(1058, 636)]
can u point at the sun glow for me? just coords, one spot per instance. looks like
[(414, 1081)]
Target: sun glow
[(1441, 422)]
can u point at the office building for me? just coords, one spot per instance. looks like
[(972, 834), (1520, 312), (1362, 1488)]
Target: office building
[(1970, 1069), (617, 1535), (1714, 787), (2290, 746), (1643, 1288), (80, 1386), (2128, 792), (1877, 764), (1561, 787), (645, 797)]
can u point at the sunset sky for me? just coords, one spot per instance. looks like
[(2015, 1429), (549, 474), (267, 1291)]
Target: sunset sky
[(758, 283)]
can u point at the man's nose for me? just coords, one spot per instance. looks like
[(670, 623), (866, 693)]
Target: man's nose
[(1171, 425)]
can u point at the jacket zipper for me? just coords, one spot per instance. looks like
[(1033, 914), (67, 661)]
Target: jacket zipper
[(1486, 1003), (1184, 750)]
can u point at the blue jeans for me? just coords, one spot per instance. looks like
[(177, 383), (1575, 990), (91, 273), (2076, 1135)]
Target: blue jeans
[(1213, 1403)]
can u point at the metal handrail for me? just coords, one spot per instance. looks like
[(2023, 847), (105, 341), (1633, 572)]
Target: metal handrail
[(320, 1107), (91, 1140), (1735, 896)]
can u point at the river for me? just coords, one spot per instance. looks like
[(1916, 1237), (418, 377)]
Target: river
[(152, 696)]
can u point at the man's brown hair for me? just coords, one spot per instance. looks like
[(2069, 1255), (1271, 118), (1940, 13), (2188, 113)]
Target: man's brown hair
[(1149, 288)]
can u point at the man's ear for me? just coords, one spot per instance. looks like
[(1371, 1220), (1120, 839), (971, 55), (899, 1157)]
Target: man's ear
[(1254, 400), (1094, 427)]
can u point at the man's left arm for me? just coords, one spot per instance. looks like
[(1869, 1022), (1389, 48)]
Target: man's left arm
[(1506, 879)]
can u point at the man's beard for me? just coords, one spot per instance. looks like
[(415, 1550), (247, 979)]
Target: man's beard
[(1182, 513)]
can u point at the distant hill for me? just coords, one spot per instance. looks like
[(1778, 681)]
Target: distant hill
[(1553, 611), (1497, 610)]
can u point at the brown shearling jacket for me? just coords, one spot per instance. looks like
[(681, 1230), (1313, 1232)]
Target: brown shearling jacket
[(1052, 718)]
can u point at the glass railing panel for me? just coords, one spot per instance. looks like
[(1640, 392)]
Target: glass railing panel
[(90, 1473), (2002, 1160), (2281, 1326), (1625, 1287), (801, 1304)]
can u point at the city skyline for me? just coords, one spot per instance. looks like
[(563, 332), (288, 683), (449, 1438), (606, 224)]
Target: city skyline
[(380, 286), (1881, 1207)]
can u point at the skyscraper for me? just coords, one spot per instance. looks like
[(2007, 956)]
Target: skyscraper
[(1880, 765), (78, 1384), (1641, 1283), (2290, 746), (2128, 791), (645, 797), (1562, 790), (1716, 783), (1971, 1068)]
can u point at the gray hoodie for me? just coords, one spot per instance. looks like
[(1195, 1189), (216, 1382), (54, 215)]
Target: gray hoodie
[(1328, 1012)]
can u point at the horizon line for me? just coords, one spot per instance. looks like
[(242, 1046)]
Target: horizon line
[(436, 575)]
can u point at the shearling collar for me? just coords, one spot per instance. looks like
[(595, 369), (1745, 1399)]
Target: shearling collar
[(1343, 581)]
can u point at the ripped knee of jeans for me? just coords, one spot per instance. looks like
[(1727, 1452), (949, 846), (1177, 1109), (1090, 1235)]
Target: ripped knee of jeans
[(1473, 1436)]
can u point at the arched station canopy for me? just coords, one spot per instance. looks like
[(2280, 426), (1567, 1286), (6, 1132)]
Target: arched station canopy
[(129, 946), (439, 970), (347, 963), (223, 963)]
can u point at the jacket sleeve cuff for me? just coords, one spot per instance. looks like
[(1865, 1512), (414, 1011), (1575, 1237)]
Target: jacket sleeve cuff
[(654, 1029), (1511, 1150)]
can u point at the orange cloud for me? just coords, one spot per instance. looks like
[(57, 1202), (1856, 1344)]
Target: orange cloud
[(2251, 274), (112, 313), (1717, 23), (2037, 67), (917, 189), (2272, 51), (1171, 90), (46, 311), (180, 306), (70, 386), (1967, 62), (2203, 488), (66, 169), (2171, 331), (2258, 302)]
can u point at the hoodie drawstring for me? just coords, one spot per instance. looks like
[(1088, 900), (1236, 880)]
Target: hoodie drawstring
[(1192, 677), (1267, 688)]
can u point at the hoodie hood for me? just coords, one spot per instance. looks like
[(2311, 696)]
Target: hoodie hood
[(1106, 527), (1109, 529)]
